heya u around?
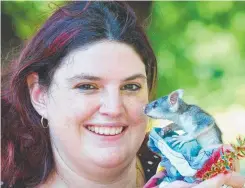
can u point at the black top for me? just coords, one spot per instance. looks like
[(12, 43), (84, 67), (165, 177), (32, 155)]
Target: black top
[(149, 160)]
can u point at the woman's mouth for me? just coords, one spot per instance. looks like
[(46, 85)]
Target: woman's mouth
[(107, 131)]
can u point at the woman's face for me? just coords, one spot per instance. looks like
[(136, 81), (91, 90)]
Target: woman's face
[(95, 105)]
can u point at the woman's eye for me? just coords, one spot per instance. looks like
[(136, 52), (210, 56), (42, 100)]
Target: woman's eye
[(86, 87), (131, 87)]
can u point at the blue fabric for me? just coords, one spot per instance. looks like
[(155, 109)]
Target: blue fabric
[(190, 154)]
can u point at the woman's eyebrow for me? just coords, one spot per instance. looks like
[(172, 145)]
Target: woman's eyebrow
[(84, 77), (135, 76), (96, 78)]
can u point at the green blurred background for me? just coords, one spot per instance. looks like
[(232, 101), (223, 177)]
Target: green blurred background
[(200, 47)]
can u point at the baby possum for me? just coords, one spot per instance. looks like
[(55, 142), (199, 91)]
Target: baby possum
[(196, 123)]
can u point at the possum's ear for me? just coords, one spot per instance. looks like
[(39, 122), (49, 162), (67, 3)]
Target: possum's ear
[(173, 99), (180, 93)]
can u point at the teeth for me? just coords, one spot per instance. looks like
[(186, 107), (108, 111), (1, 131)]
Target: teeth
[(101, 130), (112, 131), (106, 130), (96, 129), (119, 130)]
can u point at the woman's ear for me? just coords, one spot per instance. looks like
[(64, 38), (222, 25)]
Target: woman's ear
[(38, 94)]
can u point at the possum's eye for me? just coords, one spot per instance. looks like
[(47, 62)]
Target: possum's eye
[(155, 104)]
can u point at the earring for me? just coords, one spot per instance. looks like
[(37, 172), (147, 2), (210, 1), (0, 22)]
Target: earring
[(43, 124)]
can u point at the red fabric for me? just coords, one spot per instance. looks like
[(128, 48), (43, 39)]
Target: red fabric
[(207, 166), (213, 160)]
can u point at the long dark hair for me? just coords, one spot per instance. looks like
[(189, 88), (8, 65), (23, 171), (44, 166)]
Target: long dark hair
[(26, 151)]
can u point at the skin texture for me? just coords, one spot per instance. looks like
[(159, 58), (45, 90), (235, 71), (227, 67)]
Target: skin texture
[(72, 102)]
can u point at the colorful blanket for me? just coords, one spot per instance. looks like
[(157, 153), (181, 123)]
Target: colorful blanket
[(178, 163)]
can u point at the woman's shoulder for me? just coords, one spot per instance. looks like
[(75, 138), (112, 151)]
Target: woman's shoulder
[(148, 159)]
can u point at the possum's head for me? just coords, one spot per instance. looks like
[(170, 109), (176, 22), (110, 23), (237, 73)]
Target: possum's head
[(165, 107)]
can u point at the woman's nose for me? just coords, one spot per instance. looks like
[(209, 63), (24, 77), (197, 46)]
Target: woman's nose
[(112, 104)]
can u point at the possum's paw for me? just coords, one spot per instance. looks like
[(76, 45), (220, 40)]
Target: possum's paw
[(181, 140), (165, 130)]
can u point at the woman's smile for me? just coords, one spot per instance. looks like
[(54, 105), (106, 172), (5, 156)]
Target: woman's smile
[(107, 131)]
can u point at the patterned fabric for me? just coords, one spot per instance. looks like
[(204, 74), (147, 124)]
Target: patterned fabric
[(179, 163)]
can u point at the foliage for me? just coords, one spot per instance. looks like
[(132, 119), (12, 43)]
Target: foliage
[(200, 47), (28, 16)]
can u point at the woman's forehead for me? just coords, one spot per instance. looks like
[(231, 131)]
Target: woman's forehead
[(104, 59)]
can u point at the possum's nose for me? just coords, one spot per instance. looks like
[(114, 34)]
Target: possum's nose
[(145, 109), (150, 106)]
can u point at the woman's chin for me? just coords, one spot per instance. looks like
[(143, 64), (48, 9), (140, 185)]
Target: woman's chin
[(109, 160)]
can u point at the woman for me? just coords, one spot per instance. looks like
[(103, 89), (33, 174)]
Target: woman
[(73, 109)]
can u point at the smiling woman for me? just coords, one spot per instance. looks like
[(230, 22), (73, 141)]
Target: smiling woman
[(72, 107), (104, 101), (86, 75)]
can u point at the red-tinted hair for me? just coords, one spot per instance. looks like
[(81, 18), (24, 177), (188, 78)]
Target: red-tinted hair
[(26, 152)]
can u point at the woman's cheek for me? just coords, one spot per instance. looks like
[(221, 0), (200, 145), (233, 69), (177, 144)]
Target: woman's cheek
[(80, 114), (137, 111), (82, 106)]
